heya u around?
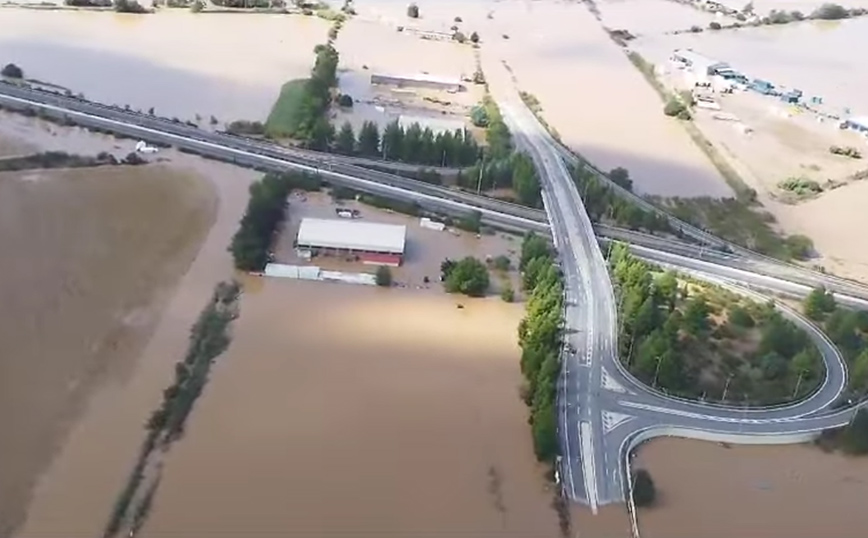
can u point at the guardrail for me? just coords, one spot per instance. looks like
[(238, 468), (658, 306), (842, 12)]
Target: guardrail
[(632, 441)]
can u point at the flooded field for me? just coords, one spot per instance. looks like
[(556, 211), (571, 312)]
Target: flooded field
[(594, 97), (707, 490), (610, 521), (376, 47), (182, 64), (642, 17), (89, 273), (381, 412)]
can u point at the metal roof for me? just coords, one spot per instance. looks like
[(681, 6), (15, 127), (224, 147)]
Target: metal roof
[(437, 125), (694, 58), (421, 77), (352, 235)]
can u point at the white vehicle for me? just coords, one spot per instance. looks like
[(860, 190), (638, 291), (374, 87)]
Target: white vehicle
[(142, 147)]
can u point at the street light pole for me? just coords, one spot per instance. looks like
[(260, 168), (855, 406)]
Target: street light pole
[(726, 388), (657, 372)]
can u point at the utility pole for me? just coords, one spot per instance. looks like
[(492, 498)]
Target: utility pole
[(479, 180), (657, 372), (726, 388), (798, 383)]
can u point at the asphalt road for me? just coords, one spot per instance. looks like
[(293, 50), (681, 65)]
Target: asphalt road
[(603, 410)]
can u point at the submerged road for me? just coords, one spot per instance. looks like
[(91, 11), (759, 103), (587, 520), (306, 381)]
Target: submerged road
[(603, 410)]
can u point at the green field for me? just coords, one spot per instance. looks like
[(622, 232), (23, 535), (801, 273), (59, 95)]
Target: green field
[(286, 114)]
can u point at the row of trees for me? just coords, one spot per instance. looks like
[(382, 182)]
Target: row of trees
[(669, 335), (514, 171), (539, 335), (602, 203), (312, 123), (848, 329), (266, 210), (415, 144)]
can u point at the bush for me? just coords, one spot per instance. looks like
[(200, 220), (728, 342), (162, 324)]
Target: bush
[(469, 277), (413, 11), (644, 491), (474, 37), (345, 100), (714, 25), (674, 107), (830, 12), (507, 293), (12, 71), (384, 276)]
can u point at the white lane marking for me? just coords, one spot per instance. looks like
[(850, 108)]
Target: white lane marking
[(586, 435), (609, 383), (612, 420), (702, 416)]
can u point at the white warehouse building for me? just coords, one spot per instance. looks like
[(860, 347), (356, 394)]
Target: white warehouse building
[(372, 242)]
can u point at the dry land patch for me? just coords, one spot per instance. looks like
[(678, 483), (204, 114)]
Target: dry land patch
[(793, 491), (89, 272), (399, 414)]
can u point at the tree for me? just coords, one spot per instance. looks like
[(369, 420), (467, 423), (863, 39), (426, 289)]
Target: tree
[(369, 139), (855, 435), (818, 303), (345, 144), (533, 246), (393, 141), (12, 71), (714, 25), (644, 491), (621, 177), (469, 276), (830, 12), (696, 316), (507, 293), (740, 317), (384, 276), (413, 11), (474, 37), (674, 108)]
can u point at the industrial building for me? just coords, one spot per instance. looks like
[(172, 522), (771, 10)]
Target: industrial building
[(699, 64), (437, 125), (373, 243), (419, 81), (857, 124)]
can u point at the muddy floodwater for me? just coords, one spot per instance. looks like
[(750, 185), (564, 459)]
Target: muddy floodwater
[(711, 491), (344, 410), (180, 63), (86, 273)]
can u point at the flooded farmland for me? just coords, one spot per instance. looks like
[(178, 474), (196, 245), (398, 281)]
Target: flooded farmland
[(345, 409), (705, 489), (182, 64), (87, 274)]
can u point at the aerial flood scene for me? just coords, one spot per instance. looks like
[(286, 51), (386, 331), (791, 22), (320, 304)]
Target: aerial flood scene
[(525, 268)]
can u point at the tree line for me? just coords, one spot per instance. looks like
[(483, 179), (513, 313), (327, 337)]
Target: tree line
[(602, 203), (514, 171), (539, 335), (266, 211), (668, 333), (848, 329), (414, 145)]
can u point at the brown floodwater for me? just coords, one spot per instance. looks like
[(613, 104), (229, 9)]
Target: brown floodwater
[(710, 491), (85, 275), (82, 471), (345, 410)]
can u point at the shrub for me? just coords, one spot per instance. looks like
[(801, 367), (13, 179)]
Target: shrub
[(830, 12), (674, 108), (384, 276), (714, 25), (12, 71), (507, 293), (474, 37), (644, 492), (413, 11)]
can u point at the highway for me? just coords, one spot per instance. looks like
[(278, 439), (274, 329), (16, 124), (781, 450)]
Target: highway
[(603, 410)]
